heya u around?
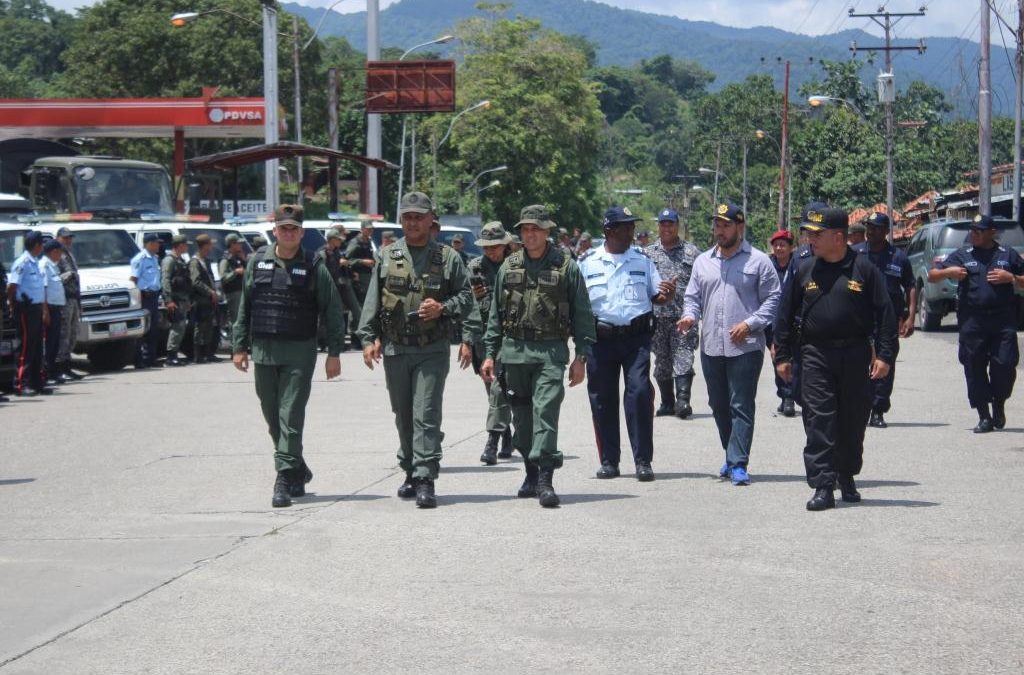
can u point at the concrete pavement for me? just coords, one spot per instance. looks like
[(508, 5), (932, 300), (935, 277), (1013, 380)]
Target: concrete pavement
[(137, 537)]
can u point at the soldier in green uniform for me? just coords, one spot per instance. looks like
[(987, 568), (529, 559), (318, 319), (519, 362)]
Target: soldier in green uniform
[(418, 289), (177, 293), (286, 289), (483, 271), (232, 275), (204, 302), (359, 254), (341, 271), (541, 301)]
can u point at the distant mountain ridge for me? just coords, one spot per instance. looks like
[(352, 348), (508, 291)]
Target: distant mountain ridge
[(624, 37)]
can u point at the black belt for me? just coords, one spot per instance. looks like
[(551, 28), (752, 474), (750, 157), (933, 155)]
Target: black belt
[(641, 325), (839, 343), (150, 294)]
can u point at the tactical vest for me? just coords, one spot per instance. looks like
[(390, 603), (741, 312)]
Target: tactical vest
[(536, 309), (477, 275), (181, 282), (283, 303), (235, 285), (402, 293)]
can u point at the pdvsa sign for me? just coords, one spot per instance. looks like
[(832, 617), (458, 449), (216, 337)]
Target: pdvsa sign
[(229, 115)]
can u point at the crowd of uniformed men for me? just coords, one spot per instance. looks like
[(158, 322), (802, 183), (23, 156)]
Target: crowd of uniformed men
[(829, 313)]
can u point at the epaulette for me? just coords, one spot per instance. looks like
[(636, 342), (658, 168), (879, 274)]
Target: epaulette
[(586, 254)]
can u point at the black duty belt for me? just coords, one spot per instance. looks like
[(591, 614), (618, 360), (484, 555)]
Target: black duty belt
[(150, 294), (641, 325)]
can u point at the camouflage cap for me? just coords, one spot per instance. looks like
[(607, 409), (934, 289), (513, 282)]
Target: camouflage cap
[(232, 238), (203, 239), (457, 237), (387, 234), (334, 233), (416, 202), (259, 241), (288, 214), (536, 214), (178, 240), (493, 234)]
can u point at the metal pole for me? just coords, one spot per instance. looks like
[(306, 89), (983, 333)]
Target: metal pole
[(270, 125), (890, 170), (789, 198), (783, 149), (412, 142), (300, 197), (373, 146), (1017, 112), (433, 193), (332, 130), (718, 166), (744, 178), (985, 116), (401, 171)]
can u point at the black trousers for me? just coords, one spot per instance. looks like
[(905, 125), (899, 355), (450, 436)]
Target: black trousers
[(52, 339), (836, 393), (630, 355), (989, 354), (28, 318), (882, 389), (148, 346)]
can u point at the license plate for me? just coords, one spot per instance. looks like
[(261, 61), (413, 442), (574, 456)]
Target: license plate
[(118, 329), (6, 348)]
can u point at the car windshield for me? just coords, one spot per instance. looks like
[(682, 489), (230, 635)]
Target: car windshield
[(955, 236), (312, 239), (218, 237), (470, 248), (122, 192), (103, 248), (11, 246)]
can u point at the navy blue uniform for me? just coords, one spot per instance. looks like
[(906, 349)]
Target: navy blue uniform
[(802, 254), (987, 316), (783, 389), (899, 279)]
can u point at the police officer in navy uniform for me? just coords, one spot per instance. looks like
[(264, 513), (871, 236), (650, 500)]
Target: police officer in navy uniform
[(986, 311), (831, 308), (26, 295), (145, 268), (624, 285), (899, 284)]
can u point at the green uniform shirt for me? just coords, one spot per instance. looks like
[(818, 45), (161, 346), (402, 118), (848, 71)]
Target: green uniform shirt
[(475, 325), (167, 266), (583, 329), (202, 280), (458, 302), (275, 352), (227, 273)]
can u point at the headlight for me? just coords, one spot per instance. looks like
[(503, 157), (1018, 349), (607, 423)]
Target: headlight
[(136, 298)]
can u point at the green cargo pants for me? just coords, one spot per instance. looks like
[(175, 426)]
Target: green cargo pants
[(234, 300), (283, 392), (179, 324), (499, 414), (416, 387), (204, 332), (537, 393)]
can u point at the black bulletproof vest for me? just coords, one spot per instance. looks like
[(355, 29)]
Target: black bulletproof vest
[(282, 301), (235, 285)]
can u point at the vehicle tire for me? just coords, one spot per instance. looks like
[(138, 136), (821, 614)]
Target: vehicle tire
[(928, 321), (112, 355)]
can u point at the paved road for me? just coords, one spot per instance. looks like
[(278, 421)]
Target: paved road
[(136, 537)]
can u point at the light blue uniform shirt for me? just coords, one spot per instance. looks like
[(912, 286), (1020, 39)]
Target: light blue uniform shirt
[(31, 282), (54, 286), (146, 269), (620, 285)]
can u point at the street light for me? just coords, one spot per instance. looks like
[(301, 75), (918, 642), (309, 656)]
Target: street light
[(818, 101), (473, 182), (437, 145), (784, 161), (401, 162), (492, 184)]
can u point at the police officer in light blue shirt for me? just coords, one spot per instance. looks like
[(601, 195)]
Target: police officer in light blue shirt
[(146, 275), (56, 299), (26, 296), (623, 285)]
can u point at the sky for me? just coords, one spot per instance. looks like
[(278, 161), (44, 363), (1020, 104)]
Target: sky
[(943, 18)]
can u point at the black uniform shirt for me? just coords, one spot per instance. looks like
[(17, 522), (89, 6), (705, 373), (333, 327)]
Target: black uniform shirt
[(975, 293), (837, 301), (895, 268)]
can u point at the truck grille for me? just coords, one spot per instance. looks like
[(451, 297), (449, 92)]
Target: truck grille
[(96, 303)]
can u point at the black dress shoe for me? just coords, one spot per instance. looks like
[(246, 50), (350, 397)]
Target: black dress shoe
[(52, 382), (644, 473), (608, 470), (174, 361), (64, 378), (282, 487), (999, 414), (425, 497), (877, 421), (984, 426), (848, 489), (408, 489), (788, 407), (823, 499), (72, 374)]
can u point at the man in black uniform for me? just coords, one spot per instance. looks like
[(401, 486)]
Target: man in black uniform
[(899, 284), (987, 273), (205, 336), (839, 300)]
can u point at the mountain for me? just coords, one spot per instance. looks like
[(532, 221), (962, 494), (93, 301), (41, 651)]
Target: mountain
[(624, 37)]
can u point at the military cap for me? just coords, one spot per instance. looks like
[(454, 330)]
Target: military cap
[(878, 219), (33, 237), (782, 234), (516, 239), (179, 239), (812, 207), (415, 202), (150, 237), (457, 237), (493, 234), (288, 214), (668, 214), (586, 236), (334, 233), (65, 232), (729, 213), (51, 245), (203, 239), (259, 241), (858, 227), (562, 231), (387, 234), (535, 214), (618, 215), (827, 219), (980, 222), (232, 238)]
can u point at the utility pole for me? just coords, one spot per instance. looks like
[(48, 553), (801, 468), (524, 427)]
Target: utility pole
[(985, 114), (718, 172), (1017, 111), (332, 131), (373, 146), (744, 178), (783, 151), (887, 92), (270, 130), (296, 52)]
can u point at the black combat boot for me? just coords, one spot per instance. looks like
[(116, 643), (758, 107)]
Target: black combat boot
[(683, 385), (788, 407), (999, 414), (529, 486), (546, 494), (823, 499), (282, 489), (425, 498), (506, 444), (490, 456), (302, 476), (877, 420), (668, 399), (848, 489), (408, 488)]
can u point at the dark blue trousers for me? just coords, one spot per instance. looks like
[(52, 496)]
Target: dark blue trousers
[(989, 354), (148, 346), (882, 389), (630, 355)]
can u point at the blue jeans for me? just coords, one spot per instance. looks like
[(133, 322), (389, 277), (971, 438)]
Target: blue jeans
[(732, 384)]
